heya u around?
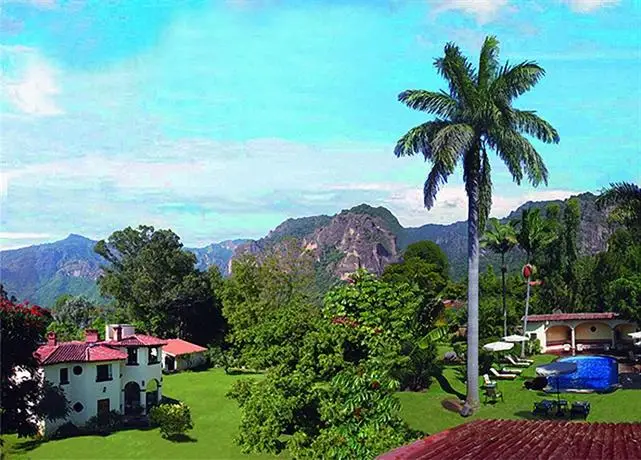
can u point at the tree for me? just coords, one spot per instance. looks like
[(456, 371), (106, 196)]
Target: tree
[(501, 239), (429, 252), (155, 283), (4, 295), (78, 311), (626, 199), (474, 116), (22, 327)]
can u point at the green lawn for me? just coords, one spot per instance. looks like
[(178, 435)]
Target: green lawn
[(215, 425), (216, 418)]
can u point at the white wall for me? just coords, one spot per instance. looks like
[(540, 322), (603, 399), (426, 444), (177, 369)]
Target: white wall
[(539, 330), (83, 388), (187, 361)]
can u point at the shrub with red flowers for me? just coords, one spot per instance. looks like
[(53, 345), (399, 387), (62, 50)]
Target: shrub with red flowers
[(22, 330)]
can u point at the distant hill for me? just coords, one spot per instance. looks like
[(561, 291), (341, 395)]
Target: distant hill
[(365, 235)]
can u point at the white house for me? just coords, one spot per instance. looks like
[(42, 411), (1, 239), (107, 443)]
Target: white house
[(578, 332), (179, 354), (121, 373)]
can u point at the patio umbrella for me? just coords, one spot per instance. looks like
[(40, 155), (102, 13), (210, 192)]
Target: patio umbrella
[(556, 369), (635, 335), (515, 338), (498, 346)]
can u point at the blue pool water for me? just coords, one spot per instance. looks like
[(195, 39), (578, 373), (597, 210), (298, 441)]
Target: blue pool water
[(593, 373)]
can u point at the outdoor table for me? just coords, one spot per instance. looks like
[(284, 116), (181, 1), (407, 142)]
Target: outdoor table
[(561, 406)]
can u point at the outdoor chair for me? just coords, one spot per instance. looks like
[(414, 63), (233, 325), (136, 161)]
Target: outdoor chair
[(511, 370), (543, 407), (580, 408), (493, 395), (513, 362), (521, 360), (487, 382), (498, 375)]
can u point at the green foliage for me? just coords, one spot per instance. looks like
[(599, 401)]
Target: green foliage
[(103, 424), (173, 419), (625, 197), (154, 281), (270, 305), (624, 296), (341, 383), (429, 252), (73, 314)]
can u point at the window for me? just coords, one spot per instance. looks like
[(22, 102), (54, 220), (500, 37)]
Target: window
[(64, 375), (78, 407), (593, 329), (77, 370), (132, 356), (153, 356), (103, 373)]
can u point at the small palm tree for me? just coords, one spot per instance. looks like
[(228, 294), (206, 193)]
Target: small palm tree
[(626, 197), (501, 239), (476, 116), (534, 234)]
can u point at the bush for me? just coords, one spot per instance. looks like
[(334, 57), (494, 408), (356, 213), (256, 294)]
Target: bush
[(534, 347), (66, 430), (173, 419), (104, 423)]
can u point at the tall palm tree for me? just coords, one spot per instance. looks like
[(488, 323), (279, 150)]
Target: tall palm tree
[(534, 234), (501, 239), (626, 197), (474, 116)]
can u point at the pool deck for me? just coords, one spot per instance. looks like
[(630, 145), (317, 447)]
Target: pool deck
[(629, 372)]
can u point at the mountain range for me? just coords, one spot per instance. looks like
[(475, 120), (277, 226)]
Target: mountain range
[(366, 236)]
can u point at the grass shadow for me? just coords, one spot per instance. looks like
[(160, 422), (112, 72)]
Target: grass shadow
[(242, 372), (528, 415), (181, 438), (447, 387), (27, 446)]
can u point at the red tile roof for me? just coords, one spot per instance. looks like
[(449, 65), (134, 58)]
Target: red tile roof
[(177, 347), (139, 340), (71, 352), (525, 440), (571, 316)]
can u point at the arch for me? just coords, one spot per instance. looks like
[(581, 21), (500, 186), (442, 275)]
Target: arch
[(621, 332), (593, 332), (558, 335), (152, 393), (132, 398)]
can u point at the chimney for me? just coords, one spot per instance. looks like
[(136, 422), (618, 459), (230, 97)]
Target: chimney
[(118, 331), (51, 339), (91, 335)]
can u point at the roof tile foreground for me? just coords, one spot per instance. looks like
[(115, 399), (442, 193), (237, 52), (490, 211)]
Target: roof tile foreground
[(178, 347), (525, 440), (571, 316), (140, 340)]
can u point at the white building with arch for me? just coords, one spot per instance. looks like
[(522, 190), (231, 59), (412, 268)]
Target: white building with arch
[(121, 373), (580, 332)]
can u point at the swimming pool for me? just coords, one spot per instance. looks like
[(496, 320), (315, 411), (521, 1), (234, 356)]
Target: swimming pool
[(593, 373)]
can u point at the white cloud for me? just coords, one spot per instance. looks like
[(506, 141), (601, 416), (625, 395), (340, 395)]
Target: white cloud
[(406, 202), (29, 82), (22, 235), (483, 10), (588, 6)]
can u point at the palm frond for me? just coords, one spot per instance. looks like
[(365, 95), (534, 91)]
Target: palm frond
[(459, 73), (529, 122), (488, 62), (619, 193), (435, 179), (513, 81), (451, 141), (519, 156), (438, 103), (417, 139)]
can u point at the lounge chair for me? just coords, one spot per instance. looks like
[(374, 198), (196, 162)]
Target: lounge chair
[(511, 370), (543, 407), (580, 408), (521, 360), (497, 375), (493, 394), (487, 382), (516, 363)]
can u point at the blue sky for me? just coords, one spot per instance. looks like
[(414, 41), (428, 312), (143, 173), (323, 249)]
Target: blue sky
[(221, 119)]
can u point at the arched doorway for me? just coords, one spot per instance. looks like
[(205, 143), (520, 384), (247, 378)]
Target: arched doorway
[(132, 399), (152, 393)]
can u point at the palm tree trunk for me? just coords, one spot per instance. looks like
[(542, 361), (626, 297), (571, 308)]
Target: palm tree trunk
[(527, 308), (503, 270), (472, 401)]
